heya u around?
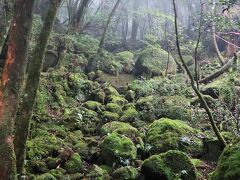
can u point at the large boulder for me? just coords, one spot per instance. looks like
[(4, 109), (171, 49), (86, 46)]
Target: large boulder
[(228, 164), (153, 61), (170, 165), (119, 149), (167, 134)]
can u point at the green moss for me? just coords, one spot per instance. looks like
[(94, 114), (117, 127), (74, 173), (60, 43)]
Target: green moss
[(98, 173), (228, 164), (121, 101), (125, 56), (111, 91), (170, 165), (37, 166), (118, 148), (74, 164), (120, 128), (166, 134), (130, 115), (42, 146), (145, 108), (93, 105), (153, 61), (110, 116), (125, 173), (173, 107), (57, 173), (112, 107), (46, 176), (196, 162), (223, 89)]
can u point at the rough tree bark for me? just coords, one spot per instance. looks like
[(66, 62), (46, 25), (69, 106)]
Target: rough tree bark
[(30, 90), (106, 26), (11, 84), (6, 14), (200, 96)]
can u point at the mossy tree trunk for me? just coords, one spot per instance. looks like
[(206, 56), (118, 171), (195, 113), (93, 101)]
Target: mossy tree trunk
[(6, 14), (106, 26), (35, 67), (194, 87), (11, 84)]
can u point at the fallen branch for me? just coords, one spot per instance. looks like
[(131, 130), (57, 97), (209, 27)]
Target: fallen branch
[(218, 73)]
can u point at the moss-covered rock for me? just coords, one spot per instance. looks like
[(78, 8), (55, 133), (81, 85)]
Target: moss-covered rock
[(167, 134), (228, 164), (153, 61), (115, 108), (74, 164), (46, 176), (109, 90), (43, 146), (173, 107), (118, 148), (222, 89), (110, 116), (130, 115), (121, 101), (98, 173), (120, 128), (126, 59), (125, 173), (145, 108), (93, 105), (170, 165)]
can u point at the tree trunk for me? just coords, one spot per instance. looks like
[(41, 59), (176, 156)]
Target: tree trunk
[(7, 8), (35, 67), (135, 25), (106, 26), (81, 12), (11, 84), (220, 57)]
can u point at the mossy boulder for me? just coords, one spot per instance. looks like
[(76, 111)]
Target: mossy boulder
[(125, 173), (173, 107), (228, 164), (115, 108), (93, 105), (118, 148), (167, 134), (222, 89), (170, 165), (153, 61), (46, 176), (130, 115), (126, 59), (121, 101), (120, 128), (145, 108), (74, 164), (109, 90), (110, 116), (42, 146), (98, 173)]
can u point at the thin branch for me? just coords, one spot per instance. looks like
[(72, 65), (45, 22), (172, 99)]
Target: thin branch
[(200, 96)]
